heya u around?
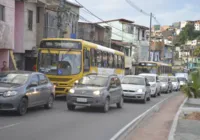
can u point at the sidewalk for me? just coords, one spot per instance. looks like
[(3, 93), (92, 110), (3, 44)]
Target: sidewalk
[(157, 127)]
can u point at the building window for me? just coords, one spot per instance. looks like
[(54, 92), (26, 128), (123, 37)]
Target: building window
[(30, 20), (38, 14), (143, 34), (2, 13), (138, 34)]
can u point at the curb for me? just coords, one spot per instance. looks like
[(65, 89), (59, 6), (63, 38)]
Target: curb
[(124, 132), (175, 122)]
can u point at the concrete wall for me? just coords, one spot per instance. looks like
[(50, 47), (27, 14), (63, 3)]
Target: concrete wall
[(7, 26), (29, 36), (40, 26), (19, 28)]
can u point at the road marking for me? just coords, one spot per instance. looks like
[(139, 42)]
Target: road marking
[(11, 125), (121, 131)]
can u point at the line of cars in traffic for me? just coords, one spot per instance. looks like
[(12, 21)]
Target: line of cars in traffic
[(20, 90), (101, 91)]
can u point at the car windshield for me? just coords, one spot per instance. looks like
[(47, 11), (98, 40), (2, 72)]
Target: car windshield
[(60, 63), (163, 79), (151, 78), (181, 79), (173, 79), (12, 78), (94, 80), (133, 80)]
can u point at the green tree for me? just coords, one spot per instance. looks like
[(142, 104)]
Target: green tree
[(188, 33), (197, 51), (192, 89)]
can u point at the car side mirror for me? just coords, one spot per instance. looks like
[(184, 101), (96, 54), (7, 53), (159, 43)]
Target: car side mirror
[(33, 84), (148, 85)]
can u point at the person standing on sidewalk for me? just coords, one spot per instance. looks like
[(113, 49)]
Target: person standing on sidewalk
[(4, 68)]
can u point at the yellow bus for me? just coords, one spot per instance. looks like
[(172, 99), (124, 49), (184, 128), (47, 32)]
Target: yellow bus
[(65, 61), (154, 67)]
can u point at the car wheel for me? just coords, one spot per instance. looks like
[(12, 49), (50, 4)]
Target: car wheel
[(106, 105), (145, 99), (121, 102), (71, 107), (149, 98), (49, 104), (23, 105)]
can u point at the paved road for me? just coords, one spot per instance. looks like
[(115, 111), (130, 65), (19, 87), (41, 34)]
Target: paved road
[(61, 124)]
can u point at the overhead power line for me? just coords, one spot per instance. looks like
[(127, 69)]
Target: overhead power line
[(97, 16), (83, 18), (132, 4)]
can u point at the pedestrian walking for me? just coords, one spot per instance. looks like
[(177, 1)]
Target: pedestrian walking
[(4, 68)]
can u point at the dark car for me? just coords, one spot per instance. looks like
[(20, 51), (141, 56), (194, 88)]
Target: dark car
[(96, 91), (20, 90)]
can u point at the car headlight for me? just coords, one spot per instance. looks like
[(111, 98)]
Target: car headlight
[(10, 93), (97, 93), (163, 85), (71, 91), (140, 90)]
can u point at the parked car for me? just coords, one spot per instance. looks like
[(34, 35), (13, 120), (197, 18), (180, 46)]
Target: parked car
[(20, 90), (166, 84), (175, 83), (154, 82), (183, 81), (96, 91), (136, 88)]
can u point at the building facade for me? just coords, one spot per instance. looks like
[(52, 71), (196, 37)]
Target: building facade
[(7, 23), (95, 33), (38, 19)]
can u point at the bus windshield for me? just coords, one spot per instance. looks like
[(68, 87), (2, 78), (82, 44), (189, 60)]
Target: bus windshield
[(60, 63), (147, 70)]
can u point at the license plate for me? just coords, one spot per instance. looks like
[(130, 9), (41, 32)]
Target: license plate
[(83, 100)]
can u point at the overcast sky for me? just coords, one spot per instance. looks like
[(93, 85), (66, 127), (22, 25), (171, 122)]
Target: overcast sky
[(166, 11)]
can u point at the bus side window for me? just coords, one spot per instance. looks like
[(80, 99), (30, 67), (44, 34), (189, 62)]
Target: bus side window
[(93, 57), (99, 58), (110, 60), (119, 62), (86, 60), (105, 59), (115, 61), (123, 62)]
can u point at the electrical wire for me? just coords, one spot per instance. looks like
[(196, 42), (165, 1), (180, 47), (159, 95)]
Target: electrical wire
[(131, 3), (98, 17)]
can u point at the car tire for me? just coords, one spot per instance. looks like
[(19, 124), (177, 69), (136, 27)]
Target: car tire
[(144, 100), (49, 104), (106, 105), (22, 108), (149, 98), (71, 107), (121, 102)]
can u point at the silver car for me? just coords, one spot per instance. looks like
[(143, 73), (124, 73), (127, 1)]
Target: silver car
[(96, 91), (20, 90), (175, 83), (136, 88), (166, 84)]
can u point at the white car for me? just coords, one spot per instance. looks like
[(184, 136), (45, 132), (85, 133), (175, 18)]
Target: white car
[(154, 82), (175, 83), (136, 88)]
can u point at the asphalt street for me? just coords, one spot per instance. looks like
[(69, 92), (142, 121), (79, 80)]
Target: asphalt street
[(61, 124)]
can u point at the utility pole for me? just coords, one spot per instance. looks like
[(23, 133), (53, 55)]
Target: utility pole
[(150, 36), (61, 16)]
